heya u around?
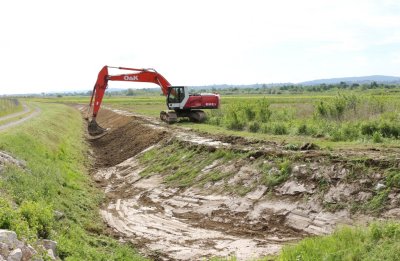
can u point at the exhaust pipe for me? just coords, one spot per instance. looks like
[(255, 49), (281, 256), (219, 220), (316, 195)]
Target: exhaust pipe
[(94, 129)]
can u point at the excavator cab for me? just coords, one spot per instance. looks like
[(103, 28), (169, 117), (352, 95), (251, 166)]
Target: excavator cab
[(176, 97)]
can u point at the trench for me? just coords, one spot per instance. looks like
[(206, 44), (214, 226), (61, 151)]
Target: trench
[(193, 223)]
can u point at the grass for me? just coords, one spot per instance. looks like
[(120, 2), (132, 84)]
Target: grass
[(9, 106), (345, 119), (182, 166), (56, 179), (378, 241)]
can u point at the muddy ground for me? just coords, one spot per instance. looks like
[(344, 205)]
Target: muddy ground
[(173, 223)]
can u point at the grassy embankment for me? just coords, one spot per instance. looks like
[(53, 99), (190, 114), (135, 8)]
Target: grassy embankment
[(55, 179), (9, 106)]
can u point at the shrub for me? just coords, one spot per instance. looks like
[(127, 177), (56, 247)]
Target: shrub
[(263, 112), (369, 128), (302, 129), (39, 217), (279, 129), (377, 137), (254, 126)]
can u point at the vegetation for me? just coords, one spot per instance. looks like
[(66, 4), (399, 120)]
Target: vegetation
[(378, 241), (8, 106), (54, 181), (182, 166)]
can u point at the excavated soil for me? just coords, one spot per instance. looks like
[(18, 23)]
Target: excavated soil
[(126, 137), (196, 223)]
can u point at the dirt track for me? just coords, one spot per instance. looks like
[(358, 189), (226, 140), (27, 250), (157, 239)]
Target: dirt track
[(191, 224), (19, 121)]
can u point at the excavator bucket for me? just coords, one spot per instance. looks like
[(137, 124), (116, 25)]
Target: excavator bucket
[(95, 129)]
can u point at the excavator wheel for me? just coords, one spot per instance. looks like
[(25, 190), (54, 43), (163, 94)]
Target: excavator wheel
[(168, 116), (197, 116), (94, 129)]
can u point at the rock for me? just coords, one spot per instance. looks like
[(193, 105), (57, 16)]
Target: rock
[(15, 255), (4, 250), (339, 193), (363, 196), (58, 214), (50, 254), (293, 188), (300, 170), (380, 186), (50, 244), (393, 213), (9, 237), (257, 193), (28, 252)]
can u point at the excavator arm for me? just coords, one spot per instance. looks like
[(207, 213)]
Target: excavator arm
[(141, 75), (179, 101)]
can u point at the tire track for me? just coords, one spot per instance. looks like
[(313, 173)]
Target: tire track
[(36, 112)]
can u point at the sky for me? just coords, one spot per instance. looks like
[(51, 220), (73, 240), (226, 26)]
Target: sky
[(54, 46)]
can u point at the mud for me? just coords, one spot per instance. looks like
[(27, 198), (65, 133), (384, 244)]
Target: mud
[(202, 222)]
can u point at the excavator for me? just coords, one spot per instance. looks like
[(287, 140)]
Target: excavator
[(179, 102)]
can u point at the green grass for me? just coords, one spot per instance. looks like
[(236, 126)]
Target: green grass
[(379, 241), (181, 165), (56, 178), (9, 106)]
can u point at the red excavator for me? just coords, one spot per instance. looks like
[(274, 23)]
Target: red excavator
[(179, 102)]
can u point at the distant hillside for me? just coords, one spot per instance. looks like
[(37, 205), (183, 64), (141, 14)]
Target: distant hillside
[(359, 80)]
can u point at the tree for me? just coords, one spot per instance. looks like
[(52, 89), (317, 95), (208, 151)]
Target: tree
[(130, 92)]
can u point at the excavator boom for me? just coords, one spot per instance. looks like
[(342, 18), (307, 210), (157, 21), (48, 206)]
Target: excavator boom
[(178, 98)]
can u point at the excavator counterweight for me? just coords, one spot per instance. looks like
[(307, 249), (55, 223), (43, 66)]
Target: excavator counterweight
[(179, 102)]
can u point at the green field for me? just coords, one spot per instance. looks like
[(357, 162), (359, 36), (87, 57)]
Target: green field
[(55, 179), (337, 118)]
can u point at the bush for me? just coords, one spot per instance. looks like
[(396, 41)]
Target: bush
[(254, 126), (263, 112), (377, 137), (389, 130), (302, 129), (39, 217), (369, 128), (279, 129)]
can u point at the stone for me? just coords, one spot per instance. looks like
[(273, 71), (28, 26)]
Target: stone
[(15, 255), (257, 193), (58, 214), (51, 254), (380, 186), (393, 213), (339, 193), (9, 237), (293, 188), (50, 244), (28, 252), (4, 249), (363, 196)]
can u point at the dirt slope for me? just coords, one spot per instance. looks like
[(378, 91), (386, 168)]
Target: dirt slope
[(203, 221)]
